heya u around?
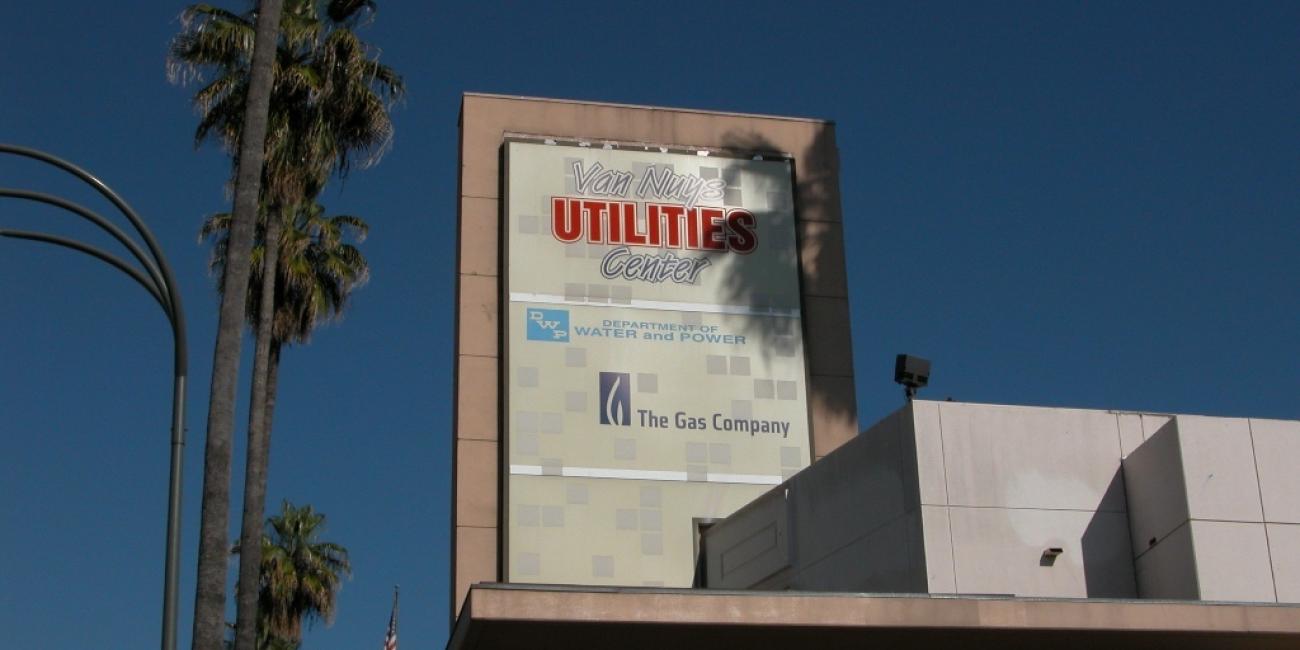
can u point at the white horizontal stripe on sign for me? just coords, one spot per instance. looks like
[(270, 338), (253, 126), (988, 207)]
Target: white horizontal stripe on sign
[(663, 305), (648, 475)]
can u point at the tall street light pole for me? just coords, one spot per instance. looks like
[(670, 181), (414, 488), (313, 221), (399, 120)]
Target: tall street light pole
[(157, 279)]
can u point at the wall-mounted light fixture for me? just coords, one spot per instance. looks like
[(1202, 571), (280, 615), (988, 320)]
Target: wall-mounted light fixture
[(1049, 555)]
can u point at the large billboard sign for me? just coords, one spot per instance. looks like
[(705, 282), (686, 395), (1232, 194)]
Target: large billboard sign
[(654, 350)]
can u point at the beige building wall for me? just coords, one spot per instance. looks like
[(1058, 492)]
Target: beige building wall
[(956, 498), (1007, 483), (1216, 504), (486, 121)]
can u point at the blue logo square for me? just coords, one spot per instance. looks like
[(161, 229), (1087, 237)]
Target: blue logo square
[(548, 325), (616, 398)]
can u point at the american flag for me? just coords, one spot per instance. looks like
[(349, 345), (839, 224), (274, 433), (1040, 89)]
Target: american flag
[(390, 639)]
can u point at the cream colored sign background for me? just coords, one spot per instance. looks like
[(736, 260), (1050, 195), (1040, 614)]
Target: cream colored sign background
[(593, 503)]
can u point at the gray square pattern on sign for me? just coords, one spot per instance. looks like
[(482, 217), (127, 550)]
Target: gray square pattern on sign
[(720, 453), (652, 544), (697, 473), (740, 366), (625, 519), (790, 457), (570, 182), (715, 364), (651, 496), (575, 401), (528, 224), (526, 422), (602, 566), (742, 408), (732, 195), (785, 346), (575, 357), (575, 494), (552, 516), (652, 519), (697, 452), (528, 515), (552, 467), (647, 382), (764, 389), (526, 444), (528, 564), (552, 423), (528, 377), (625, 449), (778, 201)]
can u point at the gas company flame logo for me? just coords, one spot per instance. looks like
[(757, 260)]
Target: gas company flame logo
[(615, 398)]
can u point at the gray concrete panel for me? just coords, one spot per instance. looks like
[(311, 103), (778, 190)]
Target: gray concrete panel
[(1219, 469), (1284, 550), (939, 570), (1130, 431), (1156, 491), (866, 483), (1019, 457), (1232, 561), (751, 546), (1153, 422), (886, 560), (1277, 459), (927, 429), (1168, 569), (1000, 551)]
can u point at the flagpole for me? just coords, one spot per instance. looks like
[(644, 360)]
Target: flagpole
[(390, 639)]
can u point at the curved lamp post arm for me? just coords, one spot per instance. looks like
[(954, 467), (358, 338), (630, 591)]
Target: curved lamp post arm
[(116, 262), (182, 363), (161, 284), (105, 225)]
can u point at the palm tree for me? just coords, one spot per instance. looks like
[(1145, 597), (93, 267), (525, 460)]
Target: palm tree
[(299, 576), (329, 110), (253, 110), (316, 272)]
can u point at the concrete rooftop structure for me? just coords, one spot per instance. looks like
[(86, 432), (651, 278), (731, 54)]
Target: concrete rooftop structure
[(954, 498)]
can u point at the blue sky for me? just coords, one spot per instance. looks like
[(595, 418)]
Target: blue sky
[(1092, 205)]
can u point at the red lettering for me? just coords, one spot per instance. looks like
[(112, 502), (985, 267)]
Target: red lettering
[(630, 234), (616, 233), (566, 224), (673, 215), (693, 228), (670, 226), (654, 226), (712, 227), (595, 220), (741, 238)]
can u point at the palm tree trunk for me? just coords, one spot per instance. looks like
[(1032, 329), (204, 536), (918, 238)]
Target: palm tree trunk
[(259, 449), (272, 385), (210, 591)]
